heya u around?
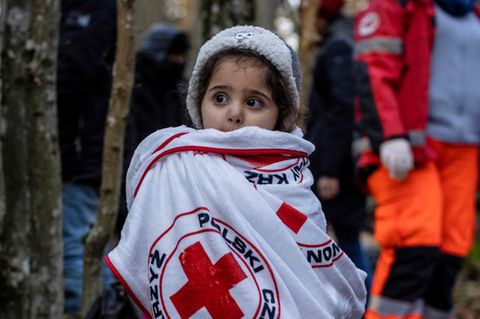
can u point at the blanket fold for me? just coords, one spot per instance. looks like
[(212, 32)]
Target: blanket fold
[(224, 225)]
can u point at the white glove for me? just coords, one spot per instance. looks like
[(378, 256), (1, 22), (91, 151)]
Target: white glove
[(396, 155)]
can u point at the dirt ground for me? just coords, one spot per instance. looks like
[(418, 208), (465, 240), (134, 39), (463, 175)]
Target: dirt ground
[(467, 290)]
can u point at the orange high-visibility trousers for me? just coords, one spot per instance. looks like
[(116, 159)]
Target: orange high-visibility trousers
[(433, 207), (458, 170), (408, 212)]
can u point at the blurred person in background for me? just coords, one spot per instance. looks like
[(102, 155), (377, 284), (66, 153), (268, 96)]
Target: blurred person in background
[(159, 65), (418, 72), (85, 58), (331, 127)]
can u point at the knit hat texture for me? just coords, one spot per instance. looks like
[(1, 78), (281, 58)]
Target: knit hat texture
[(257, 39)]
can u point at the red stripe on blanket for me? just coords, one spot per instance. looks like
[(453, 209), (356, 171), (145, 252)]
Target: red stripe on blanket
[(278, 169), (217, 151), (112, 267), (315, 245), (168, 140), (264, 160), (291, 217)]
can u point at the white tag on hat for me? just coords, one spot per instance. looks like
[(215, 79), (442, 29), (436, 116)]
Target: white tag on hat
[(243, 36)]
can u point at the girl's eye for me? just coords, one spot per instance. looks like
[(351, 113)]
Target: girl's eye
[(254, 103), (220, 98)]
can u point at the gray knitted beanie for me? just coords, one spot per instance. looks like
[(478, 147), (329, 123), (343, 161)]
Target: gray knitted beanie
[(262, 41)]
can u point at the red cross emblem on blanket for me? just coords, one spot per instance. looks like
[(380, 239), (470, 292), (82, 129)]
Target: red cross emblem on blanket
[(208, 284)]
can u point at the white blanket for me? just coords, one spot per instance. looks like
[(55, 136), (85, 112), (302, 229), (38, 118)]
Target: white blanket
[(224, 225)]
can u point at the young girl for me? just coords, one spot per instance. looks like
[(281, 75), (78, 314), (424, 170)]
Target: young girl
[(222, 222)]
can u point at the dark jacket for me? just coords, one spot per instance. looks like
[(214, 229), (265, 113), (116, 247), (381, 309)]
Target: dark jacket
[(85, 58), (331, 123), (156, 101)]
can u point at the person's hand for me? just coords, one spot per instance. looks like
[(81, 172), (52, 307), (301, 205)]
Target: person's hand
[(396, 155), (328, 187)]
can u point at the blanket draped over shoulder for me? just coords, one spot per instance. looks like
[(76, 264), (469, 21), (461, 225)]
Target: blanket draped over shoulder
[(224, 225)]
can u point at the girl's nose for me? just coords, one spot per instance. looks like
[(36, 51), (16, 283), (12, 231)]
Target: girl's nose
[(235, 114)]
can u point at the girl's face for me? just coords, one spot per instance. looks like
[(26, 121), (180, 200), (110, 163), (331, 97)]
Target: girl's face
[(238, 96)]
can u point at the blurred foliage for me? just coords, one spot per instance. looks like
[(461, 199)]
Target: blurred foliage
[(217, 15), (472, 262), (467, 290)]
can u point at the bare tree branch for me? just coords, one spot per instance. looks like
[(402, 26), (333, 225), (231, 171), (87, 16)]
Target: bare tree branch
[(308, 37), (112, 156)]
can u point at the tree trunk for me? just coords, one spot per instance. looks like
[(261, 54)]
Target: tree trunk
[(15, 259), (193, 26), (112, 165), (45, 181), (189, 10), (147, 13), (207, 17), (3, 5), (31, 236), (216, 15), (265, 12), (308, 37)]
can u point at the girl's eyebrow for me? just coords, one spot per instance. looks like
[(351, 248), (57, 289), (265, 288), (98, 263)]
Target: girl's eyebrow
[(256, 92), (220, 87)]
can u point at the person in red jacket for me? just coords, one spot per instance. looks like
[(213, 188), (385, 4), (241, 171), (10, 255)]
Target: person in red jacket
[(417, 69)]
